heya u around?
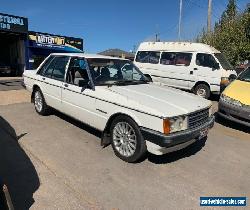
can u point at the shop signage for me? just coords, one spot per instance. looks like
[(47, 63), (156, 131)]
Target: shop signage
[(13, 23), (44, 40)]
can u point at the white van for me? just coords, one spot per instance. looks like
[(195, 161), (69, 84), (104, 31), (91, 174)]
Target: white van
[(191, 66)]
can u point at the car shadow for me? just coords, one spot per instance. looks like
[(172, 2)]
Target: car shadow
[(214, 97), (231, 124), (177, 155), (161, 159), (16, 168), (78, 124)]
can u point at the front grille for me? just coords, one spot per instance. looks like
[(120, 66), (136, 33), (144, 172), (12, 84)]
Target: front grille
[(197, 119)]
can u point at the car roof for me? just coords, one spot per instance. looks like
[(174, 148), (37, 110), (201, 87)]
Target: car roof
[(87, 55)]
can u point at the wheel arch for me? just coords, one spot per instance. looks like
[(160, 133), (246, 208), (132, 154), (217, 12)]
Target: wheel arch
[(113, 116), (106, 140), (201, 82)]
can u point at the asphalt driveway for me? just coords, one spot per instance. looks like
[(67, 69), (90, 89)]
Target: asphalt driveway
[(72, 171)]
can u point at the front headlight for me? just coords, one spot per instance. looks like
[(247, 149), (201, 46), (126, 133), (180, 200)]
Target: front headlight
[(174, 124), (230, 100)]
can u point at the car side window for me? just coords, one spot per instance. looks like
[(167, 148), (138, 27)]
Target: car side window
[(45, 65), (205, 60), (48, 71), (77, 72), (175, 58), (148, 57), (59, 68)]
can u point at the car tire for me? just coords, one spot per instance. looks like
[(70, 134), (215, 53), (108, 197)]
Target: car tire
[(202, 90), (126, 139), (40, 105)]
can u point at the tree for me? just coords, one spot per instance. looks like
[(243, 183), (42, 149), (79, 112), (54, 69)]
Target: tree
[(231, 34)]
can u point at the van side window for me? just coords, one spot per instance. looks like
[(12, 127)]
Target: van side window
[(206, 60), (148, 57), (175, 58)]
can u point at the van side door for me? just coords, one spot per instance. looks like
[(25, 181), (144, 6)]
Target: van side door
[(148, 63), (174, 69), (205, 71)]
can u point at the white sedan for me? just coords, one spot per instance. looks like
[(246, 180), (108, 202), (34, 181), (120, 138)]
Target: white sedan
[(113, 96)]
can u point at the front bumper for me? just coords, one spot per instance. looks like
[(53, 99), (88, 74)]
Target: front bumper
[(234, 113), (174, 139)]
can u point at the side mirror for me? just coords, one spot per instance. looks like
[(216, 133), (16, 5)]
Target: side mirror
[(148, 78), (216, 66), (232, 77), (83, 83)]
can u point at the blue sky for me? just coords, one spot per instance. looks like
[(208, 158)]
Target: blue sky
[(116, 23)]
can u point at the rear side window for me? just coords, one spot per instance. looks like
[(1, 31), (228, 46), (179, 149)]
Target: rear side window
[(176, 58), (205, 60), (48, 69), (148, 57), (55, 68), (45, 65), (59, 68)]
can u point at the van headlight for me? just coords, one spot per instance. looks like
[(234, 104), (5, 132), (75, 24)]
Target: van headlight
[(230, 100), (174, 124)]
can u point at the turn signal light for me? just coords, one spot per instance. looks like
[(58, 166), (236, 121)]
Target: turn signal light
[(166, 126)]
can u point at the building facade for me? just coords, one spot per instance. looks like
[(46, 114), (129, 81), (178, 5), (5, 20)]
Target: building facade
[(23, 49)]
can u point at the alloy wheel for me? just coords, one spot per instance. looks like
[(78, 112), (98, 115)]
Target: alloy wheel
[(124, 138)]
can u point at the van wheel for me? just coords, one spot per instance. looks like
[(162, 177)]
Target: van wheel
[(40, 105), (202, 90), (127, 140)]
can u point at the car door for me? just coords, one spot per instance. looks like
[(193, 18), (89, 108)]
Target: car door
[(174, 69), (78, 98), (205, 70), (51, 78)]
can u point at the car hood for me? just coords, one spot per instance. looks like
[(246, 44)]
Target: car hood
[(158, 100), (239, 90)]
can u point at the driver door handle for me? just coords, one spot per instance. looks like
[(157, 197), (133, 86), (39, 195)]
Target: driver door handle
[(195, 69)]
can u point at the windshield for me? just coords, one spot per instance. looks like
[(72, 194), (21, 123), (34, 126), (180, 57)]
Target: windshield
[(223, 61), (245, 75), (114, 71)]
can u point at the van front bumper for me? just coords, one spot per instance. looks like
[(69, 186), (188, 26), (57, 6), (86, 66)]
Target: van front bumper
[(234, 113), (175, 141)]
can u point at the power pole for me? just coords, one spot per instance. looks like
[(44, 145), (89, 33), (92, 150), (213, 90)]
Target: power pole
[(180, 16), (157, 34), (209, 11)]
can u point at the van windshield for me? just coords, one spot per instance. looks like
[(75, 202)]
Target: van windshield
[(245, 75), (223, 61)]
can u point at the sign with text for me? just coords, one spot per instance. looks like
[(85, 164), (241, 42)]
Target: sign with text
[(13, 23), (44, 40)]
